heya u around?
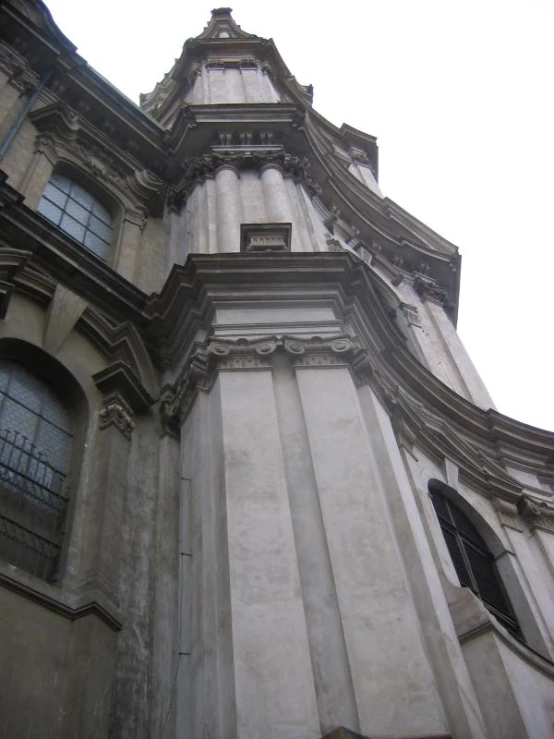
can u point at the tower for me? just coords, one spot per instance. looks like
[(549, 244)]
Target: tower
[(251, 484)]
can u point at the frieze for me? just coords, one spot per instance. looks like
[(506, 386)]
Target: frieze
[(245, 354)]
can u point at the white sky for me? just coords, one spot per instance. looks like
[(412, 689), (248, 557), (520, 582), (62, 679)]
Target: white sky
[(459, 94)]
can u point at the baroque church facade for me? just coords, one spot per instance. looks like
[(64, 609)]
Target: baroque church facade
[(251, 485)]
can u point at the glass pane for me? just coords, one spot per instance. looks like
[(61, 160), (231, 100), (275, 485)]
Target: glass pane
[(73, 228), (54, 445), (54, 412), (26, 389), (101, 212), (77, 211), (457, 558), (100, 229), (50, 211), (64, 183), (55, 195), (18, 419), (97, 245), (5, 372), (81, 196)]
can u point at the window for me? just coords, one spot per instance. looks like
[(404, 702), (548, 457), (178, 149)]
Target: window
[(473, 561), (35, 444), (78, 213)]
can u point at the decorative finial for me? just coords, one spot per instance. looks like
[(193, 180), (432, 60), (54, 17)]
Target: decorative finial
[(219, 12)]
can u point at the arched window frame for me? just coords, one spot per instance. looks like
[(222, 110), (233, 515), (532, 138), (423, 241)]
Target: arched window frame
[(105, 200), (472, 557), (72, 397)]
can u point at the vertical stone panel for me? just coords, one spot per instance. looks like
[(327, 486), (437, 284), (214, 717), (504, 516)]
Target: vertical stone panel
[(333, 681), (392, 681), (206, 688), (445, 655), (273, 671), (165, 642)]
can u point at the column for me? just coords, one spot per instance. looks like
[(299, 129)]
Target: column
[(277, 203), (228, 209)]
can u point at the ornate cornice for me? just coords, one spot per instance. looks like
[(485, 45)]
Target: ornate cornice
[(245, 354), (65, 134), (197, 170)]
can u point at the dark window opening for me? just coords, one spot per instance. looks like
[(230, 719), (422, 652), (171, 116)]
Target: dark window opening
[(35, 443), (473, 561)]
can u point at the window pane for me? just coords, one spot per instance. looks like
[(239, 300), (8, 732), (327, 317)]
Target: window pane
[(64, 183), (18, 419), (73, 228), (5, 372), (81, 196), (50, 211), (53, 444), (55, 413), (56, 196), (457, 558), (77, 211), (96, 245), (100, 229), (26, 389), (101, 212)]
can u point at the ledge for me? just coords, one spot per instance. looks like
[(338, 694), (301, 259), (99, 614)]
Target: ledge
[(73, 608)]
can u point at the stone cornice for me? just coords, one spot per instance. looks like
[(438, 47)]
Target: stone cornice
[(245, 354), (422, 407)]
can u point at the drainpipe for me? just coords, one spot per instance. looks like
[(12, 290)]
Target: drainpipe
[(31, 100)]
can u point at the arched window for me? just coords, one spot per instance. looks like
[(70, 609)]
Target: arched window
[(70, 207), (35, 444), (473, 561)]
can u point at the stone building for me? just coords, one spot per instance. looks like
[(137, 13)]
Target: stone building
[(251, 484)]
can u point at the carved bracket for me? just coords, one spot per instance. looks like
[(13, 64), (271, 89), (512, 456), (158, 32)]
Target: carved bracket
[(537, 513), (124, 395)]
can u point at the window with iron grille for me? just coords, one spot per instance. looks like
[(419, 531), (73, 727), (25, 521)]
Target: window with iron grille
[(70, 207), (35, 444), (473, 561)]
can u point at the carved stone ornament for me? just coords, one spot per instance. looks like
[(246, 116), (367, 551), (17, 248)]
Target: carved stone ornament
[(244, 354), (537, 513), (507, 513), (197, 170), (116, 412)]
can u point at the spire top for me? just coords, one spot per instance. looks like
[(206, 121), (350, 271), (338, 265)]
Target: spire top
[(222, 25)]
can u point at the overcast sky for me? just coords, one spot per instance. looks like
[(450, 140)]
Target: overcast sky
[(459, 94)]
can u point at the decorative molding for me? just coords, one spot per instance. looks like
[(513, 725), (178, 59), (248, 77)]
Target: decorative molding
[(538, 514), (246, 354), (65, 134), (123, 394), (119, 380), (197, 170), (72, 607)]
